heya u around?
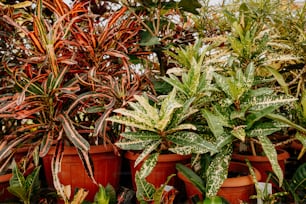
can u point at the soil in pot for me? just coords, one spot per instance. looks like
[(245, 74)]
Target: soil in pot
[(235, 189), (107, 168)]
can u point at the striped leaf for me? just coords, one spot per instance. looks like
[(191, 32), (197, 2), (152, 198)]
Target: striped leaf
[(56, 168), (46, 143), (88, 164), (72, 134)]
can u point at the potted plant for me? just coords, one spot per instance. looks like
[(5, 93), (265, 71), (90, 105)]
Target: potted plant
[(156, 130), (237, 187), (71, 71)]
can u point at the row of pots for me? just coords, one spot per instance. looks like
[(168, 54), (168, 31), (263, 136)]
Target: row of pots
[(108, 166)]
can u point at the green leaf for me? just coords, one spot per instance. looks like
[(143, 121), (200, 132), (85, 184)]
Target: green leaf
[(24, 188), (148, 40), (192, 177), (298, 180), (256, 116), (190, 6), (158, 195), (279, 77)]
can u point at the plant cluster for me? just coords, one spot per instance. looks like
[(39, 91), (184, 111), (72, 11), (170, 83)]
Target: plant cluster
[(155, 77)]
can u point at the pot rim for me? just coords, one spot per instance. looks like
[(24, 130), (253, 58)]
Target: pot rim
[(161, 158), (94, 149), (283, 155), (232, 182)]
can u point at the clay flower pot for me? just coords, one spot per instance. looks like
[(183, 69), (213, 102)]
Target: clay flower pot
[(107, 167), (164, 168), (262, 162), (4, 183), (234, 190)]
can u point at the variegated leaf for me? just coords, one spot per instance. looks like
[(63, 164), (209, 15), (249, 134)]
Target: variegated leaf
[(148, 165), (180, 128), (185, 150), (239, 132), (193, 140), (141, 135), (151, 111), (175, 82), (168, 106), (132, 145), (217, 171), (214, 122), (261, 102), (263, 129), (222, 82), (147, 151), (145, 190), (182, 113), (249, 75), (132, 115), (271, 154), (131, 123)]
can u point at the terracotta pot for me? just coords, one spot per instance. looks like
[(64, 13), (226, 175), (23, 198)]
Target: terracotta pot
[(4, 183), (165, 167), (5, 195), (234, 190), (262, 163), (297, 146), (107, 168)]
